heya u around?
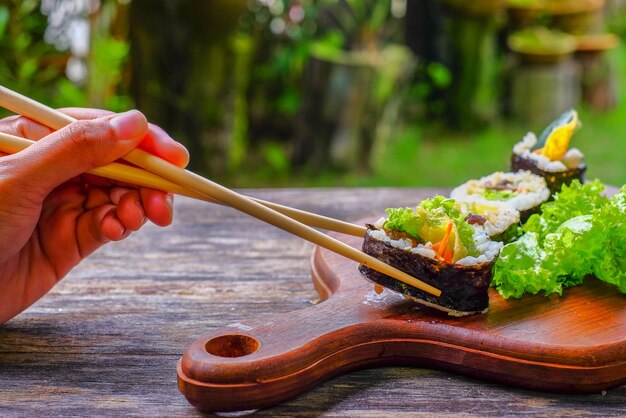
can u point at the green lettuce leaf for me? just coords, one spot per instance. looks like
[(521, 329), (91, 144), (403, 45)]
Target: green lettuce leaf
[(573, 200), (610, 227), (404, 220), (519, 270), (580, 233)]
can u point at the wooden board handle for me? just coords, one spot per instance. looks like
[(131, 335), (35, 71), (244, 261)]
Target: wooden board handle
[(259, 363)]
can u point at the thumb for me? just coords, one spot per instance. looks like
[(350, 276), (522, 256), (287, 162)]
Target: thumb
[(79, 147)]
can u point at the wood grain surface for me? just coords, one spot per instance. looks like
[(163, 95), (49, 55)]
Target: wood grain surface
[(107, 339)]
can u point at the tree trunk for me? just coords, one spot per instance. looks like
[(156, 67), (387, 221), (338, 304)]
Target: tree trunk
[(472, 58), (182, 78)]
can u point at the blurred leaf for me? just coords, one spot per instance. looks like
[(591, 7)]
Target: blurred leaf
[(439, 74), (108, 54), (380, 14), (28, 6), (22, 41), (329, 47), (289, 102), (420, 90), (119, 103), (27, 69), (4, 20), (69, 95), (276, 158)]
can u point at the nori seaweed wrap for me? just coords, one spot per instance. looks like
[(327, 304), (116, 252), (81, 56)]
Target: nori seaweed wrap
[(434, 243)]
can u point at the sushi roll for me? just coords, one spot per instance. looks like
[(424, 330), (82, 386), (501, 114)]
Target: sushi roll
[(522, 191), (550, 155), (434, 243)]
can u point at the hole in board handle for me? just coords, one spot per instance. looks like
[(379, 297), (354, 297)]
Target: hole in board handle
[(232, 345)]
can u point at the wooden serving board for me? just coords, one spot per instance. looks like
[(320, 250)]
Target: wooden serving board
[(575, 343)]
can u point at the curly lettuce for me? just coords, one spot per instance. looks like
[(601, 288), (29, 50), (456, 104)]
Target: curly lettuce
[(610, 228), (573, 200), (579, 234)]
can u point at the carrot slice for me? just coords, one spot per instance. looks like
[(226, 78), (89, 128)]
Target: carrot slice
[(444, 240), (447, 255)]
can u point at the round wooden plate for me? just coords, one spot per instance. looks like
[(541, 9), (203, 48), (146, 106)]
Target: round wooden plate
[(575, 343)]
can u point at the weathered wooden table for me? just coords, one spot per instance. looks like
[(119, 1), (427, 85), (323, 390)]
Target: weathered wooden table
[(106, 340)]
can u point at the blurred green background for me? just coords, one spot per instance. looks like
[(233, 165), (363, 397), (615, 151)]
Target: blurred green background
[(334, 93)]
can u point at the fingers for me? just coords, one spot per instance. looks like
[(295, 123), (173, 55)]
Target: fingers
[(124, 214), (71, 151), (85, 113), (156, 141), (27, 128), (97, 227), (128, 210), (158, 206), (159, 143), (24, 127), (132, 207), (108, 222)]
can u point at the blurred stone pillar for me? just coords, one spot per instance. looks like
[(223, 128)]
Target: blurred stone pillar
[(541, 92)]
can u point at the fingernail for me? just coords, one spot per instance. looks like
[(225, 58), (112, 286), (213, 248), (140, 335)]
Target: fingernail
[(129, 125)]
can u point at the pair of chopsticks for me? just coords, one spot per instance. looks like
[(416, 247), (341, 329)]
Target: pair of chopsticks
[(154, 172)]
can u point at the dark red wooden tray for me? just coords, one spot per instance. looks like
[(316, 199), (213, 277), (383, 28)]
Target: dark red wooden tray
[(575, 343)]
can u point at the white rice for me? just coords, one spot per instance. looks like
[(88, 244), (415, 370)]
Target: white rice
[(487, 249), (573, 158), (531, 190)]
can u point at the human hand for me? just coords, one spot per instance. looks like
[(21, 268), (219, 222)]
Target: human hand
[(52, 215)]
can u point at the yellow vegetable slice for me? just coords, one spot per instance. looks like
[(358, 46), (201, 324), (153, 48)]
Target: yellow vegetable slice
[(558, 141)]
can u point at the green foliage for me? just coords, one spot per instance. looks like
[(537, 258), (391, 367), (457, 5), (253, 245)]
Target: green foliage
[(242, 45), (330, 46), (36, 69), (27, 63), (277, 159), (359, 25), (107, 60), (4, 20), (439, 75)]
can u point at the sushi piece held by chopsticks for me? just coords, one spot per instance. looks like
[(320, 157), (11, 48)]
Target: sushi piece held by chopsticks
[(434, 242)]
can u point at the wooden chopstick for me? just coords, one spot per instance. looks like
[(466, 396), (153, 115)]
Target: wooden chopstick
[(133, 175), (56, 120)]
